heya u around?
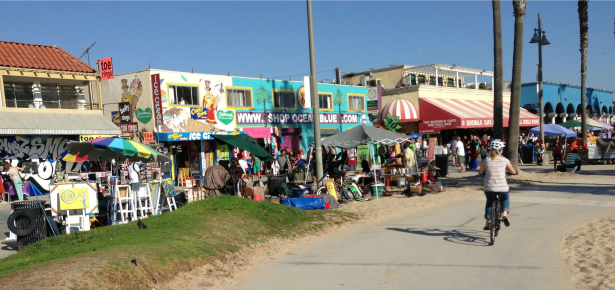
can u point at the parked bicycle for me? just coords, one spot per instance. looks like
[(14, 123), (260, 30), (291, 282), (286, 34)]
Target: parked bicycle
[(347, 189)]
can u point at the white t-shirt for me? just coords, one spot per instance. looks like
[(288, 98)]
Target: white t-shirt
[(133, 172), (244, 164), (425, 144), (460, 149)]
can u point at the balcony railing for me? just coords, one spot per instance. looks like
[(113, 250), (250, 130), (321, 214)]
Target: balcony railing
[(52, 105)]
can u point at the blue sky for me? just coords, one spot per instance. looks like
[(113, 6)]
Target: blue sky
[(270, 38)]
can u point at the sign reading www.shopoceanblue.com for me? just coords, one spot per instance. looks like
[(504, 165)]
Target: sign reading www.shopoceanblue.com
[(294, 118)]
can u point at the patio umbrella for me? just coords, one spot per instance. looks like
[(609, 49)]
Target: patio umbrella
[(554, 130), (415, 135), (109, 148), (570, 124)]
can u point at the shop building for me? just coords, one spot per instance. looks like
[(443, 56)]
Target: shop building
[(440, 99), (284, 107), (562, 102), (192, 107), (48, 97)]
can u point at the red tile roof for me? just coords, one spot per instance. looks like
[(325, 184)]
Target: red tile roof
[(36, 56)]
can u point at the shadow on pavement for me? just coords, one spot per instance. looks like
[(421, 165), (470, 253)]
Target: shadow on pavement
[(464, 237)]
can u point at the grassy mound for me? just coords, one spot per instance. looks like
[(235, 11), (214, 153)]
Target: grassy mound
[(176, 241)]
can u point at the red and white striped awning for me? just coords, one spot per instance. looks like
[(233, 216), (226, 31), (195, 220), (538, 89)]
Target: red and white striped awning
[(442, 114), (401, 108)]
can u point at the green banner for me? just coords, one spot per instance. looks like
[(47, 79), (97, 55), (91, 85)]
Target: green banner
[(363, 154)]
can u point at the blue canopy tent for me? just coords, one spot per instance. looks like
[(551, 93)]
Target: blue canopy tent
[(554, 130), (415, 135)]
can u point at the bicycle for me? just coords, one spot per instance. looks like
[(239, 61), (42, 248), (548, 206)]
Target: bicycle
[(496, 216), (339, 187)]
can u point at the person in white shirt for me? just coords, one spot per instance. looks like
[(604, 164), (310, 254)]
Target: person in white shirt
[(461, 154), (134, 172), (244, 165)]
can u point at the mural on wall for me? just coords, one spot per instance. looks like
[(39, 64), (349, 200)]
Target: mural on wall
[(210, 102), (43, 152), (132, 94), (210, 114)]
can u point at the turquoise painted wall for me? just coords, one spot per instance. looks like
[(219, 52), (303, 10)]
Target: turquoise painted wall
[(307, 129)]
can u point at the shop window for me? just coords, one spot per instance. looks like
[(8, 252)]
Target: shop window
[(239, 98), (421, 79), (356, 103), (413, 80), (450, 83), (59, 96), (324, 101), (18, 95), (284, 100), (432, 81), (440, 81), (184, 95)]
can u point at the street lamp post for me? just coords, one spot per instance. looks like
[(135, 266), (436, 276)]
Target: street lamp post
[(541, 39)]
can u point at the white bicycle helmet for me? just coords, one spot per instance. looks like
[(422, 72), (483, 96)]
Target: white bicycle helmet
[(496, 144)]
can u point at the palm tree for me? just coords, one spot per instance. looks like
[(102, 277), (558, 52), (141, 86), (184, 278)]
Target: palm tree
[(582, 9), (498, 126), (263, 96), (339, 101), (512, 151)]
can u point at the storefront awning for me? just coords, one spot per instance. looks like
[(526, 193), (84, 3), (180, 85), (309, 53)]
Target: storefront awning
[(442, 114), (245, 142), (37, 123)]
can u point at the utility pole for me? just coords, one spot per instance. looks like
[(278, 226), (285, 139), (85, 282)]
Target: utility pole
[(314, 94)]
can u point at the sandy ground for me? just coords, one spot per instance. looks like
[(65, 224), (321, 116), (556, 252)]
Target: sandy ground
[(589, 254)]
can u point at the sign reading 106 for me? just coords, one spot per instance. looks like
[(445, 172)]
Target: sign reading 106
[(106, 69)]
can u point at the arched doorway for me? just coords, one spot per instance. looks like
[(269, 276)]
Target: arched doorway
[(569, 110), (561, 115), (548, 110)]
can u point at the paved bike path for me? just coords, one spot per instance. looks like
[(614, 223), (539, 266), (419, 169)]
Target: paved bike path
[(446, 248)]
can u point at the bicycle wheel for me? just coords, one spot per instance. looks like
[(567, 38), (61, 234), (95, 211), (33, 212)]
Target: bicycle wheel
[(322, 190), (492, 222)]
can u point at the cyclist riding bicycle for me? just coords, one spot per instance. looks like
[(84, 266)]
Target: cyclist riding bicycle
[(494, 167)]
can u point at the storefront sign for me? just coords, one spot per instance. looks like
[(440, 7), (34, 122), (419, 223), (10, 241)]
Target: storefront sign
[(373, 100), (74, 198), (157, 99), (197, 113), (148, 137), (258, 132), (83, 138), (129, 127), (191, 136), (226, 117), (144, 116), (115, 117), (431, 148), (125, 113), (106, 69), (294, 118)]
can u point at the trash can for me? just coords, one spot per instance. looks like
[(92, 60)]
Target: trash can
[(442, 163), (528, 154), (28, 222), (273, 185)]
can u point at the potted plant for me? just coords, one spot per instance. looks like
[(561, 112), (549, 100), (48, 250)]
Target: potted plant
[(297, 175)]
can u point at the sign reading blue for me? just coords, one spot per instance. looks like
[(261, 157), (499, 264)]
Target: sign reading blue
[(191, 136)]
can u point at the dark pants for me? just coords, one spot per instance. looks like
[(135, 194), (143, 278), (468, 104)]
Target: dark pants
[(577, 163)]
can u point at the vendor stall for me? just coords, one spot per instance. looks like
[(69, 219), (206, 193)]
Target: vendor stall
[(128, 201), (362, 135)]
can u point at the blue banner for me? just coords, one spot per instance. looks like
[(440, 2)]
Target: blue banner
[(191, 136)]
